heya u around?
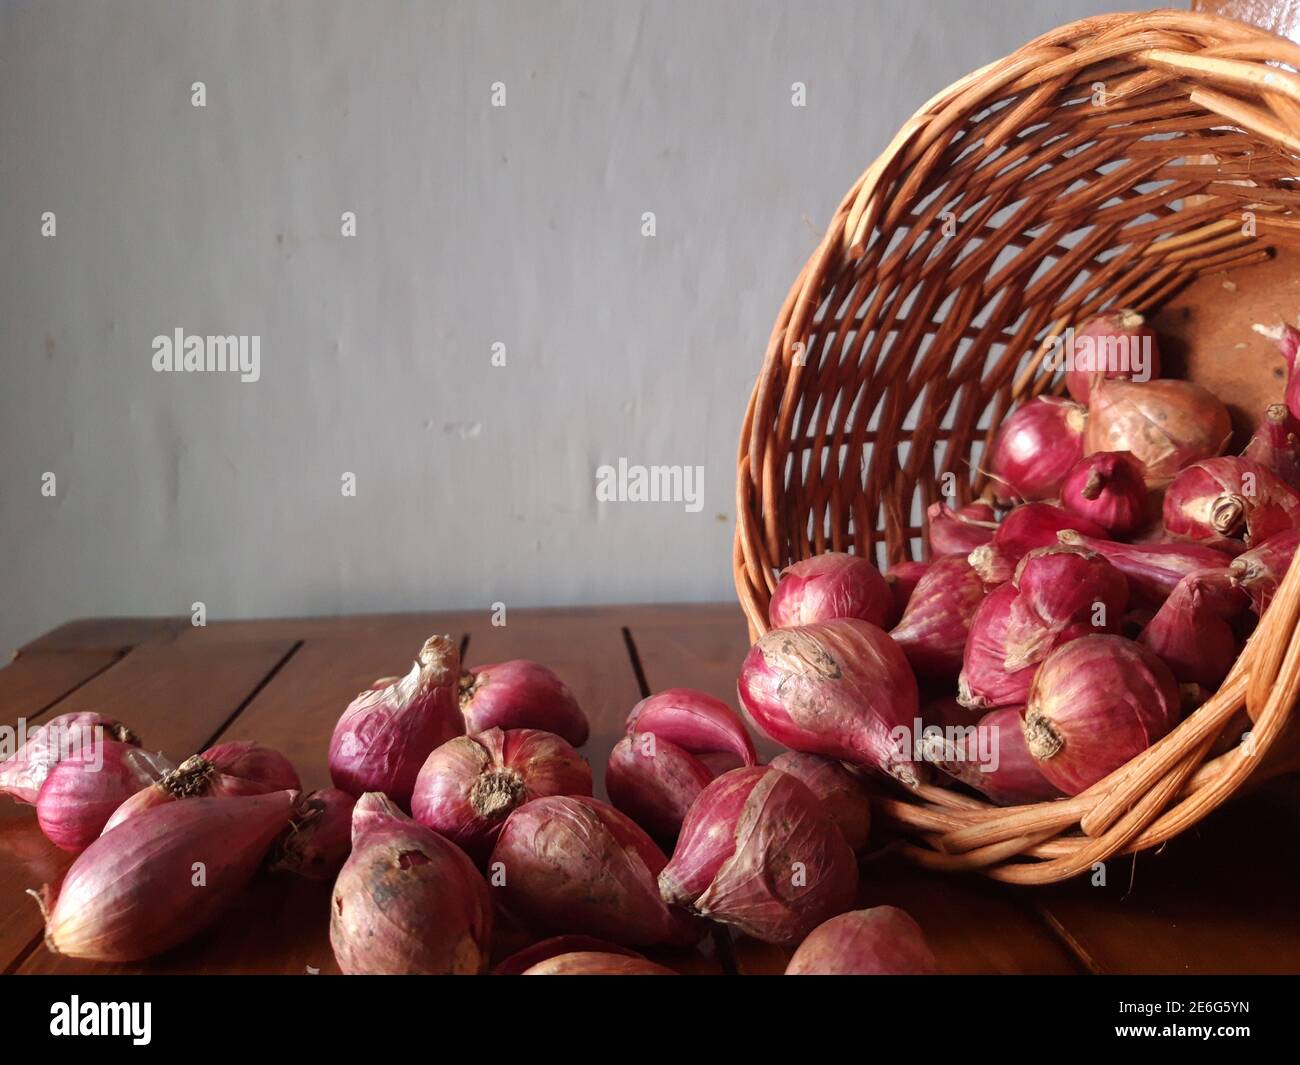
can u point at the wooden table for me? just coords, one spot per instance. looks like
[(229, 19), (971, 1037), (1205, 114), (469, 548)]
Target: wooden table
[(1221, 900)]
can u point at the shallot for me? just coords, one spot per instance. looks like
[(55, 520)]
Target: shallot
[(1096, 703), (1108, 488), (933, 629), (838, 688), (407, 901), (522, 960), (960, 531), (1166, 424), (1259, 571), (1117, 345), (841, 790), (991, 757), (654, 782), (521, 694), (881, 941), (384, 736), (1035, 448), (903, 577), (469, 786), (830, 585), (694, 721), (595, 963), (1229, 501), (985, 680), (1153, 569), (161, 878), (40, 748), (319, 839), (575, 864), (1287, 339), (1190, 634), (81, 793), (1274, 446), (1024, 529), (758, 852)]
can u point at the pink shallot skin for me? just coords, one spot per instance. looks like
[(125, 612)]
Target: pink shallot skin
[(1009, 776), (985, 681), (841, 688), (520, 694), (81, 793), (1153, 569), (1110, 489), (903, 577), (1035, 448), (881, 941), (654, 782), (1124, 324), (830, 585), (407, 901), (132, 894), (1190, 634), (1030, 526), (1259, 571), (788, 868), (842, 791), (1275, 447), (959, 531), (697, 723), (22, 775), (596, 963), (1229, 503), (933, 630), (319, 840), (534, 954)]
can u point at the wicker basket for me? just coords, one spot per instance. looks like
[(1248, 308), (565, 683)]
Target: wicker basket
[(902, 347)]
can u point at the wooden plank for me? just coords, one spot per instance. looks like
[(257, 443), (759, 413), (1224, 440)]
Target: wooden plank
[(974, 926), (32, 684), (176, 695), (105, 634), (1217, 899)]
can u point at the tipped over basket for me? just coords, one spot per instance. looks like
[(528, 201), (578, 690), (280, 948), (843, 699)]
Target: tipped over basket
[(1106, 164)]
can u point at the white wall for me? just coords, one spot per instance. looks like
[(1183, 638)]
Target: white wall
[(475, 224)]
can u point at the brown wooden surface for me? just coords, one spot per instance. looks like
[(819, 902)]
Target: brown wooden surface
[(1220, 900)]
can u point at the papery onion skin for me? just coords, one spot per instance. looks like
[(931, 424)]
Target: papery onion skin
[(842, 791), (81, 793), (1026, 528), (830, 585), (654, 782), (1153, 570), (1229, 501), (469, 786), (1096, 703), (593, 963), (575, 864), (384, 736), (250, 761), (932, 632), (696, 722), (1275, 447), (1035, 448), (319, 840), (22, 775), (522, 960), (903, 578), (1190, 635), (958, 531), (838, 688), (1109, 489), (1009, 775), (785, 867), (1166, 424), (881, 941), (407, 901), (521, 694), (1259, 571), (985, 681), (1100, 332), (132, 894)]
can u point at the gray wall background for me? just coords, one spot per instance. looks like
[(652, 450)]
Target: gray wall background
[(475, 225)]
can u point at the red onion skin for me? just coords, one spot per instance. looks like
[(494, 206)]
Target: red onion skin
[(595, 963), (1166, 424), (1108, 489), (521, 694), (1275, 447), (1124, 324), (788, 867), (1225, 502), (654, 782), (838, 688), (1027, 527), (903, 578), (574, 864), (132, 894), (1015, 781), (1190, 635), (384, 736), (842, 791), (881, 941), (932, 632), (250, 761), (697, 723), (958, 532), (1096, 703), (468, 786), (985, 681), (22, 775), (398, 876), (1035, 448), (1154, 569), (830, 585), (1064, 592), (523, 960), (81, 793), (320, 838), (1259, 571)]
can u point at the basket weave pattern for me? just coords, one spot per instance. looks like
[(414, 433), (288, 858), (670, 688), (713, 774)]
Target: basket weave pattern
[(1103, 165)]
